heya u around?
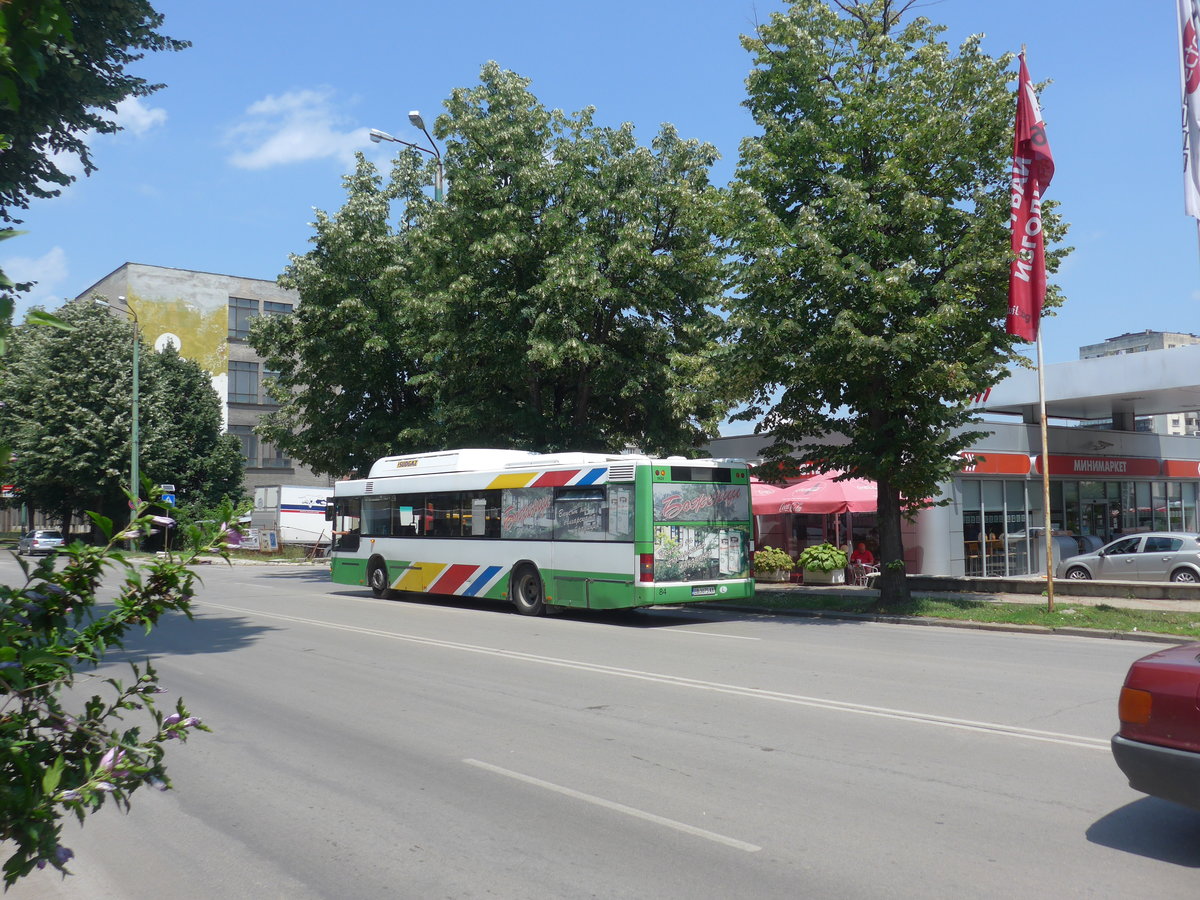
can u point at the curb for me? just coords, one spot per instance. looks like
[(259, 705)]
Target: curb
[(1144, 636)]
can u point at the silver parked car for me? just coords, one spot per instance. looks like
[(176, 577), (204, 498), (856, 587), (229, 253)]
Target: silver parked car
[(40, 541), (1154, 556)]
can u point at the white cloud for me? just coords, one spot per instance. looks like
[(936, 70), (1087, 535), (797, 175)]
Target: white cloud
[(136, 117), (294, 127), (48, 270)]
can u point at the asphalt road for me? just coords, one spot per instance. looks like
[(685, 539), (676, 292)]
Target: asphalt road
[(411, 749)]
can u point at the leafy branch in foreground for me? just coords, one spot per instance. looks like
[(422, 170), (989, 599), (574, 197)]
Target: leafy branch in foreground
[(56, 760)]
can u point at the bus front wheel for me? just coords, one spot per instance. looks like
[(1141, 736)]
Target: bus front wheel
[(526, 592), (377, 577)]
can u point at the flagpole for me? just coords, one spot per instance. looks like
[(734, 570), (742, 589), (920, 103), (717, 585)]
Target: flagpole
[(1045, 478)]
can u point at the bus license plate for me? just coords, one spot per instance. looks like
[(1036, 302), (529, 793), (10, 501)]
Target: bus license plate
[(704, 590)]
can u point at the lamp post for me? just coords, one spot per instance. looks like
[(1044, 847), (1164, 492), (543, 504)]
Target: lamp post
[(133, 454), (414, 117)]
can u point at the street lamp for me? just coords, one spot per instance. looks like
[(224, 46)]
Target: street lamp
[(133, 454), (415, 118)]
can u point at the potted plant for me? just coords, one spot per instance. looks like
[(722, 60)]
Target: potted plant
[(823, 564), (772, 564)]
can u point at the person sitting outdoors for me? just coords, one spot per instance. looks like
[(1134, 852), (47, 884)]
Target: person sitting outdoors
[(862, 555)]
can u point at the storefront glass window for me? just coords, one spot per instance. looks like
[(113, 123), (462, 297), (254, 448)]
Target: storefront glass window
[(1071, 506), (1145, 515), (1189, 505), (1128, 507), (1158, 503), (1017, 539), (972, 527), (1174, 506)]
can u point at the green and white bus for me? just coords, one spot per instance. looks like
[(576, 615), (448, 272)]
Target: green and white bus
[(587, 530)]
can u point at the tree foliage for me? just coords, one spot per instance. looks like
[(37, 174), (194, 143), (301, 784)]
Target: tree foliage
[(347, 359), (60, 757), (560, 298), (67, 418), (183, 433), (872, 246), (62, 74)]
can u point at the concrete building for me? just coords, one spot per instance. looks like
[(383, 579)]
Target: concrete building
[(207, 317), (1183, 422)]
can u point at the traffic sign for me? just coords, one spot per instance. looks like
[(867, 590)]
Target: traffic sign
[(168, 499)]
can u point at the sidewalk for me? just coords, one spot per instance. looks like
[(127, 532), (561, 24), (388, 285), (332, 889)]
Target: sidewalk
[(1061, 601)]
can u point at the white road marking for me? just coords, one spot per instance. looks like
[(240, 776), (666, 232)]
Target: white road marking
[(995, 728), (618, 807), (732, 637)]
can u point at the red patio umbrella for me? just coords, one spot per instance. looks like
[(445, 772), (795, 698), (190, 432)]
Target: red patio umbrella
[(819, 495)]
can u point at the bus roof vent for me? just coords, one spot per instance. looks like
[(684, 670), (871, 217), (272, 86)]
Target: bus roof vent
[(620, 472), (369, 487)]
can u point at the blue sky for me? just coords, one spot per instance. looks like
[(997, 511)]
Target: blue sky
[(220, 170)]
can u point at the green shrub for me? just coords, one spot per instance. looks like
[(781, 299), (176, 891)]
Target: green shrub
[(822, 558), (772, 559)]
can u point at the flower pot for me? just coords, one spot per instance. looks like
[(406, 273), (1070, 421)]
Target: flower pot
[(776, 576), (837, 576)]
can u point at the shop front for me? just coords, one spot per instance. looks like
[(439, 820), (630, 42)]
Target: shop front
[(1093, 500)]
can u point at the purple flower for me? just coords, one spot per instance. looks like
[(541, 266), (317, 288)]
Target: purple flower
[(191, 722), (68, 795), (108, 762), (62, 854), (105, 786), (172, 719)]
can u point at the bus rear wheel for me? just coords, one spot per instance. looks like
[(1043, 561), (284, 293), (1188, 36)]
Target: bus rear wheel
[(377, 577), (526, 591)]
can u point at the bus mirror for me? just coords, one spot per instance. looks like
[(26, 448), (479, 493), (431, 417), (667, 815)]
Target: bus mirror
[(329, 510)]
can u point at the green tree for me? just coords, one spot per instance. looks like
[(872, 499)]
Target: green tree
[(66, 414), (183, 443), (347, 360), (67, 418), (571, 277), (62, 74), (560, 298), (872, 246)]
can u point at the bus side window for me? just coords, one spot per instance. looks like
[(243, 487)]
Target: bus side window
[(347, 523), (620, 512)]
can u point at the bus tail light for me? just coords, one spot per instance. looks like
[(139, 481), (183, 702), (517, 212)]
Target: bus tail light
[(645, 567)]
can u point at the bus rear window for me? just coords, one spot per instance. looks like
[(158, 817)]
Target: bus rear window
[(701, 502)]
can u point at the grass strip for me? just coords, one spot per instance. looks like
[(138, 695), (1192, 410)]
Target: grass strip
[(1101, 617)]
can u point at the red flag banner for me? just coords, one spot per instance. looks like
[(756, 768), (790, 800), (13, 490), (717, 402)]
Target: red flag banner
[(1189, 72), (1033, 167)]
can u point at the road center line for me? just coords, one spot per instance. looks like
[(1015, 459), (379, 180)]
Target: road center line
[(617, 807), (995, 728)]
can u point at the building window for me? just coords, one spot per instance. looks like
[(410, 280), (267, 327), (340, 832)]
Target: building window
[(243, 382), (271, 308), (267, 399), (245, 433), (274, 458), (241, 311)]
